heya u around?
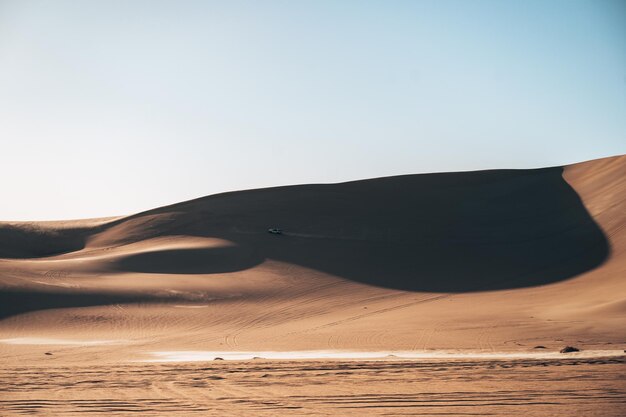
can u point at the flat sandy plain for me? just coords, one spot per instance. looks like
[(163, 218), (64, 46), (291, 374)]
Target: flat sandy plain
[(411, 295)]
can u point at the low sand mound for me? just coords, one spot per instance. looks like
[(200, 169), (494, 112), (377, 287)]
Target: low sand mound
[(502, 258), (20, 240)]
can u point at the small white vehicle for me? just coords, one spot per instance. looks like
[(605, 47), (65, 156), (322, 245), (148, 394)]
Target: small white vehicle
[(275, 231)]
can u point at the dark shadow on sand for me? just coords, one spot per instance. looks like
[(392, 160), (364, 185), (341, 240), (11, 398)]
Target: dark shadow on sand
[(24, 242), (14, 302), (452, 232)]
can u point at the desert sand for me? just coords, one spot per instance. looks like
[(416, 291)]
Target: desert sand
[(430, 294)]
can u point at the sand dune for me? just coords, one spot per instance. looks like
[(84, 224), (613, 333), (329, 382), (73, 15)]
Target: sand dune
[(416, 251), (489, 261)]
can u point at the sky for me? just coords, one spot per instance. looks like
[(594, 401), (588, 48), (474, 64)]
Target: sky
[(114, 107)]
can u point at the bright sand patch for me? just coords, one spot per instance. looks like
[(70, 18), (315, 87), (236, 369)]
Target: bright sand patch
[(62, 342), (199, 356)]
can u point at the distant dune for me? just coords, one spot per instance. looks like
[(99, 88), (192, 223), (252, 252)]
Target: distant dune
[(489, 260)]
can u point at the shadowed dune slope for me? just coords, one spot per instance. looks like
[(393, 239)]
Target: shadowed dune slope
[(451, 232), (433, 232), (22, 240)]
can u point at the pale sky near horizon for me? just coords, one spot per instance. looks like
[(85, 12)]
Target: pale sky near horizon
[(113, 107)]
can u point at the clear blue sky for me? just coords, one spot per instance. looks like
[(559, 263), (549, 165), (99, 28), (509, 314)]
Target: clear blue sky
[(111, 107)]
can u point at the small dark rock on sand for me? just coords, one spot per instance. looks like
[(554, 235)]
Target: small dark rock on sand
[(540, 347), (568, 349), (48, 353), (217, 358)]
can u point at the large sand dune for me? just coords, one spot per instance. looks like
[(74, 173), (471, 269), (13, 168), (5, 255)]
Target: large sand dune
[(462, 260), (484, 262)]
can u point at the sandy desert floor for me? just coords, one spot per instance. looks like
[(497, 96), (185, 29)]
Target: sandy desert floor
[(548, 387), (460, 276)]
